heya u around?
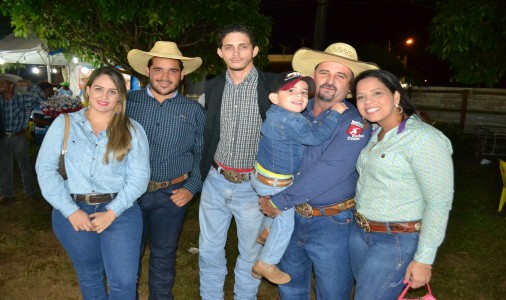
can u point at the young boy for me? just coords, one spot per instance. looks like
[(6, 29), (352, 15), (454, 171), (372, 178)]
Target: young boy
[(285, 133)]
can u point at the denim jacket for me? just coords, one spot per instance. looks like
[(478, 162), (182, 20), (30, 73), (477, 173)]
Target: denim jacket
[(284, 135)]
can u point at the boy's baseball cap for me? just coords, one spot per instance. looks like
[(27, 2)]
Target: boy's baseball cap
[(287, 80)]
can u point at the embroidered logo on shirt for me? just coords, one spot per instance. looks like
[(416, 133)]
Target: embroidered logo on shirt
[(355, 131)]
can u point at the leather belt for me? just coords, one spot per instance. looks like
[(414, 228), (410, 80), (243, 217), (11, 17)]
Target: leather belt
[(388, 227), (10, 134), (273, 181), (94, 199), (231, 175), (307, 211), (155, 185)]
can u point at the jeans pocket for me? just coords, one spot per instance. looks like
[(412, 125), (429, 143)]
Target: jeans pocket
[(343, 218)]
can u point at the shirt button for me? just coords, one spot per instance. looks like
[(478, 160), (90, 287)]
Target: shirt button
[(91, 175)]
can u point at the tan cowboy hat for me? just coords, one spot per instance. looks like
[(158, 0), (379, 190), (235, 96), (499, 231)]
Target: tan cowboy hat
[(305, 60), (10, 78), (139, 59)]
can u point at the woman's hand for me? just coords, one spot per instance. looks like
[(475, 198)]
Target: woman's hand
[(418, 273), (80, 221), (102, 220)]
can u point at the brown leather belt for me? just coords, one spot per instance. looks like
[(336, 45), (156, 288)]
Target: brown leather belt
[(9, 134), (94, 199), (155, 185), (307, 211), (231, 175), (390, 227), (272, 181)]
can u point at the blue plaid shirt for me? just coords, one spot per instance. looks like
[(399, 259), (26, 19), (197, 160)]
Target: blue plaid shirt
[(16, 111), (175, 134)]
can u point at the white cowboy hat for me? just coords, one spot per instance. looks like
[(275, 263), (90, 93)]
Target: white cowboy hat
[(305, 60), (10, 78), (139, 59)]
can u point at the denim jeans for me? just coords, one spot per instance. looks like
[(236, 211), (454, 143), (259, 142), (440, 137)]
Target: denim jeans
[(163, 221), (115, 251), (280, 227), (319, 243), (220, 201), (379, 262), (15, 147)]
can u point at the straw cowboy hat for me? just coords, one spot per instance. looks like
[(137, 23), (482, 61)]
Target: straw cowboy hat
[(10, 78), (139, 59), (305, 60)]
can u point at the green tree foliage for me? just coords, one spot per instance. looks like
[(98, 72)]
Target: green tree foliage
[(471, 36), (103, 31)]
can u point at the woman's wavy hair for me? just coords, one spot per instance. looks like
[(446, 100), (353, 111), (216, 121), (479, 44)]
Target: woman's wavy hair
[(118, 129), (392, 83)]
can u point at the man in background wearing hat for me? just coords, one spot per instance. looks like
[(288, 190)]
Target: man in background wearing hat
[(65, 89), (325, 183), (16, 104), (174, 125), (236, 104)]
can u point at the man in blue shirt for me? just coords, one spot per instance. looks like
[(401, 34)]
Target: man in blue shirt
[(174, 125), (16, 104), (324, 185)]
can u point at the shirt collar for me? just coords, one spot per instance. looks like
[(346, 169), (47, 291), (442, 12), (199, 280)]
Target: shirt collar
[(251, 76)]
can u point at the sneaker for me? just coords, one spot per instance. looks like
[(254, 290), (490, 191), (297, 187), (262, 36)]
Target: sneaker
[(262, 237), (270, 272)]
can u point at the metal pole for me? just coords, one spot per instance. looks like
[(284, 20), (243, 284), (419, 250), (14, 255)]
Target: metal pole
[(321, 24)]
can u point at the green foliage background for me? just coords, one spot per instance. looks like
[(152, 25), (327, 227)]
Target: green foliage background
[(471, 36), (103, 31)]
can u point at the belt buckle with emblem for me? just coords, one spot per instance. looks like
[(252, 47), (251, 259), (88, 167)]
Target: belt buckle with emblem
[(305, 210), (152, 186), (233, 176), (362, 221)]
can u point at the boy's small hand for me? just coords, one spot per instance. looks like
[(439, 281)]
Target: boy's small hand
[(340, 107)]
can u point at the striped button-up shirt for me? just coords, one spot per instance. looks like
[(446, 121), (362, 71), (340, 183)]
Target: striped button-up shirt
[(240, 123), (408, 176), (175, 134)]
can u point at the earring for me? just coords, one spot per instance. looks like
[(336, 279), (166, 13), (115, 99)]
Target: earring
[(118, 108), (399, 108), (366, 123)]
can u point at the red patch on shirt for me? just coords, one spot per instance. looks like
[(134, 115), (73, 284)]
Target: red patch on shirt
[(354, 130)]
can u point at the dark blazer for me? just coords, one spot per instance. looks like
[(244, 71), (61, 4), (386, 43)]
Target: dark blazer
[(213, 95)]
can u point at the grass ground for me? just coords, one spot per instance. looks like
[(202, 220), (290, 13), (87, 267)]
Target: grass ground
[(470, 264)]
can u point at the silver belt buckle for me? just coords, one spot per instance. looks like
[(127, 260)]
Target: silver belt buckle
[(305, 210), (87, 198), (233, 176), (362, 221), (152, 186)]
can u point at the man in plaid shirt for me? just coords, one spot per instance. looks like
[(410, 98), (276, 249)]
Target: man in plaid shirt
[(16, 104)]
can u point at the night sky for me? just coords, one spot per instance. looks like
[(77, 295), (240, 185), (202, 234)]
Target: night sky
[(359, 23)]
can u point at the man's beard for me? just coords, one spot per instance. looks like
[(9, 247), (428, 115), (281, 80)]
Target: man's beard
[(160, 92), (326, 98)]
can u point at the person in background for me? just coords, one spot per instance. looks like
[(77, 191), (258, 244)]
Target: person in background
[(96, 216), (236, 104), (404, 192), (41, 120), (174, 125), (17, 99), (285, 133), (65, 89), (324, 185)]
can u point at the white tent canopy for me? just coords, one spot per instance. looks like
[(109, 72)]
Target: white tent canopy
[(32, 50)]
